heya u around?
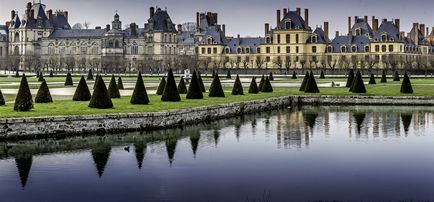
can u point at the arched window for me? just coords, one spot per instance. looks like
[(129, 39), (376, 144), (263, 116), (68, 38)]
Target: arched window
[(383, 37), (239, 51), (358, 32), (383, 48), (288, 24), (110, 44), (390, 48), (314, 39), (209, 40), (116, 44), (343, 49), (329, 49), (17, 37), (354, 49), (16, 50), (268, 40), (247, 50), (367, 49), (227, 50)]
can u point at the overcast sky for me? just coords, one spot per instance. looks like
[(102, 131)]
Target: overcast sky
[(245, 17)]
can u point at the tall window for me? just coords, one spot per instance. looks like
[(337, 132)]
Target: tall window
[(377, 48), (288, 38), (267, 50), (209, 50), (278, 49), (329, 49), (354, 49), (383, 48), (343, 49), (135, 49), (214, 50), (367, 49), (390, 48), (296, 49), (313, 49), (384, 37), (296, 38), (288, 49), (278, 38)]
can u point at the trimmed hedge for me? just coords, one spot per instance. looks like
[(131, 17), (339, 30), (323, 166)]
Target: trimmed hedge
[(270, 77), (113, 90), (120, 84), (267, 88), (261, 83), (23, 101), (82, 93), (304, 82), (311, 86), (199, 77), (396, 76), (383, 77), (2, 99), (90, 75), (358, 84), (140, 96), (216, 89), (238, 87), (253, 89), (182, 88), (194, 91), (350, 79), (160, 89), (406, 85), (170, 93), (372, 79), (322, 76), (68, 81), (294, 75), (43, 95), (100, 98)]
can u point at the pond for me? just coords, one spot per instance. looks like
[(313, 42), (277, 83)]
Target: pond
[(309, 154)]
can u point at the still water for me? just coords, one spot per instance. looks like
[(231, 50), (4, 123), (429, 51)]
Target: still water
[(309, 154)]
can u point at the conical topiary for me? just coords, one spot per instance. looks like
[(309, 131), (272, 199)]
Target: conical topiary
[(238, 87), (372, 79), (358, 85), (113, 90), (294, 75), (2, 99), (41, 77), (194, 91), (261, 83), (43, 95), (170, 93), (270, 77), (90, 75), (23, 101), (100, 97), (228, 76), (304, 82), (396, 76), (82, 92), (120, 83), (216, 89), (267, 88), (68, 81), (406, 85), (311, 86), (253, 89), (51, 73), (322, 76), (182, 88), (213, 73), (96, 79), (161, 86), (383, 77), (140, 96), (199, 77), (350, 78)]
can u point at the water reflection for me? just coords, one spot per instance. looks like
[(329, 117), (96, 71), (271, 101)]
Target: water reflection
[(287, 130)]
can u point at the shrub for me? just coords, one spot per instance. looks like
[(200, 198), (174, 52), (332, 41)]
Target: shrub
[(120, 83), (100, 98), (113, 90), (2, 99), (23, 101), (170, 92), (68, 81), (51, 73), (396, 76), (41, 77), (267, 88), (294, 75), (228, 76), (199, 77), (350, 78), (43, 95), (216, 89), (322, 76), (253, 89), (194, 91), (304, 82), (90, 75), (160, 89), (383, 77), (82, 92), (311, 86), (97, 77), (182, 88), (261, 83), (358, 85), (270, 77), (372, 79), (238, 87), (140, 96), (406, 85)]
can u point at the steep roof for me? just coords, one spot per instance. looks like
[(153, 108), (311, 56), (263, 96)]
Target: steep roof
[(388, 28), (297, 22), (319, 32), (161, 22), (245, 42), (359, 41), (78, 33), (363, 26), (217, 35)]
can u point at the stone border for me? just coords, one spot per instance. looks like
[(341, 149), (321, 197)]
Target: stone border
[(23, 128)]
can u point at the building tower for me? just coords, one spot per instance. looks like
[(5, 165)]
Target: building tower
[(117, 24)]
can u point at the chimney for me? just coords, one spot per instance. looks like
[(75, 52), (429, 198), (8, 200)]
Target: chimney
[(326, 30), (216, 18), (336, 34), (277, 18), (29, 5), (306, 17), (66, 15), (151, 12), (366, 19), (179, 29), (427, 32), (298, 11), (133, 29), (107, 27), (416, 33), (349, 25), (374, 24), (50, 16), (285, 11), (356, 19), (12, 15), (32, 14), (224, 29), (239, 40), (267, 28), (422, 29), (398, 24), (402, 35), (197, 19)]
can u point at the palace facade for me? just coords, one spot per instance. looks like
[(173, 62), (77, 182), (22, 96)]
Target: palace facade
[(43, 39)]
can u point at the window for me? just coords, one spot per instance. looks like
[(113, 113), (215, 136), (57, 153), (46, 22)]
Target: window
[(288, 49), (239, 51), (210, 40), (278, 49), (227, 50), (1, 51), (367, 49), (110, 44), (17, 37), (95, 51), (343, 49), (267, 50), (390, 48), (383, 37), (354, 49), (288, 38), (383, 48), (329, 49), (278, 38), (17, 50), (203, 50), (214, 50), (314, 39), (358, 32), (313, 49), (258, 50), (268, 40), (83, 50), (267, 59), (377, 48), (209, 50), (296, 38), (116, 44), (296, 49), (247, 50), (288, 25)]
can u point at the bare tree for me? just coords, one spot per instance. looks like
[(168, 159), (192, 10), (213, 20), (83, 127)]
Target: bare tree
[(86, 24), (278, 62), (259, 62)]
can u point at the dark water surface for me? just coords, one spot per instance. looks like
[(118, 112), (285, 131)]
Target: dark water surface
[(315, 153)]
